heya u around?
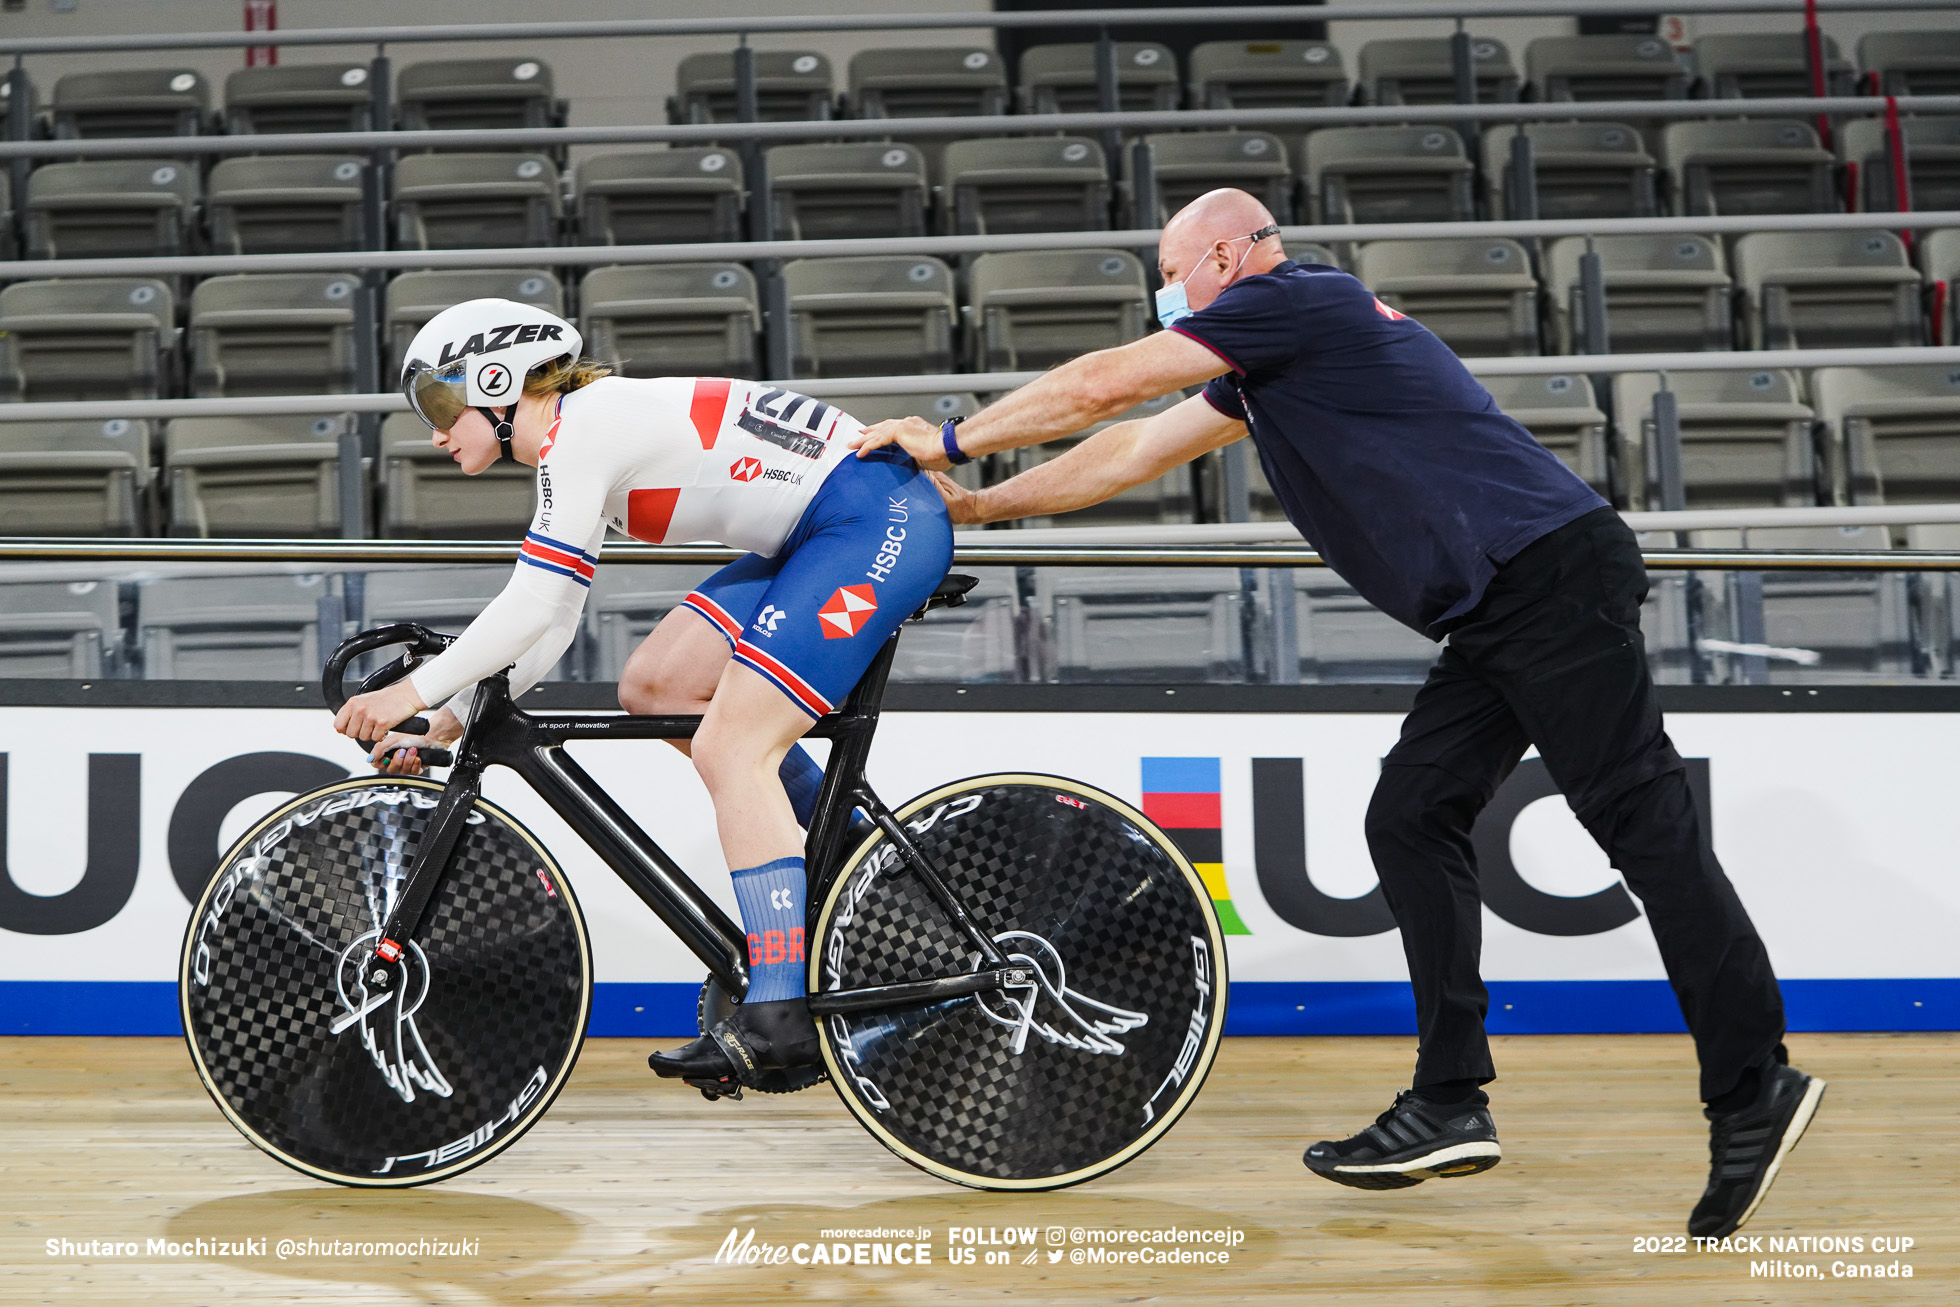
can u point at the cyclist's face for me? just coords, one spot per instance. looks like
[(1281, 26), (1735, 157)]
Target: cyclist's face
[(470, 441)]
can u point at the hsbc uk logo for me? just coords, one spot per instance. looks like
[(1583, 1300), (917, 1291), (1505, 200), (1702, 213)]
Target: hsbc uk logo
[(844, 614), (745, 469)]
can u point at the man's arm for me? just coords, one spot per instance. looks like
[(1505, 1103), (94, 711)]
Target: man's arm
[(1078, 394), (1101, 467)]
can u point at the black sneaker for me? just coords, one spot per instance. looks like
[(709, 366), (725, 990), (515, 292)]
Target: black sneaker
[(757, 1038), (1411, 1142), (1746, 1149)]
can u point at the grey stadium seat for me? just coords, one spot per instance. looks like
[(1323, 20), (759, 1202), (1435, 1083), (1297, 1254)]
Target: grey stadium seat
[(1606, 67), (1662, 292), (1025, 184), (90, 478), (1562, 415), (415, 297), (1387, 174), (1758, 65), (974, 642), (1763, 165), (1932, 148), (672, 319), (1898, 430), (423, 493), (1827, 289), (1478, 296), (1187, 164), (1745, 437), (130, 102), (109, 208), (1583, 170), (656, 196), (332, 97), (1344, 638), (846, 189), (1856, 621), (1040, 308), (790, 86), (447, 598), (285, 204), (1911, 63), (1062, 78), (254, 476), (67, 630), (262, 627), (275, 333), (466, 201), (870, 408), (485, 94), (1417, 70), (870, 316), (947, 82), (95, 338), (1266, 75), (1176, 625)]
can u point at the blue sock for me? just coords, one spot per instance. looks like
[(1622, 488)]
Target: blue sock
[(771, 899), (801, 779)]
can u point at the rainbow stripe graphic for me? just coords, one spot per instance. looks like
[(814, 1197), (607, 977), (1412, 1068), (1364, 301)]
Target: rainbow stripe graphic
[(1182, 795)]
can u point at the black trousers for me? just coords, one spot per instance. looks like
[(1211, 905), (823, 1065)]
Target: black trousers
[(1553, 657)]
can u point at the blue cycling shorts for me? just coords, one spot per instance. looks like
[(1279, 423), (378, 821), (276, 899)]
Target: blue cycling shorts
[(869, 550)]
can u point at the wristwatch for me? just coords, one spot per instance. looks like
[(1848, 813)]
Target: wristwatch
[(952, 444)]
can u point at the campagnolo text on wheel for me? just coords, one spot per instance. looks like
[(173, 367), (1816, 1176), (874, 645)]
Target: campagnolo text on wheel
[(1012, 981)]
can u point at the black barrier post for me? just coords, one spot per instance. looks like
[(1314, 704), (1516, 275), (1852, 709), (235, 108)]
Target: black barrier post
[(761, 217), (1592, 302), (1521, 179), (1667, 449), (1108, 99), (381, 111), (20, 127), (1463, 69), (1746, 605), (1144, 210), (350, 483)]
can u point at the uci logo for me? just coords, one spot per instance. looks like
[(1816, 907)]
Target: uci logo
[(493, 379)]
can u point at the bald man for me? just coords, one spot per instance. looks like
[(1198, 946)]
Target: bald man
[(1446, 514)]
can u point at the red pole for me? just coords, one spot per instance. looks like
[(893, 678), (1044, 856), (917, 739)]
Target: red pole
[(1895, 152), (261, 16), (1814, 55)]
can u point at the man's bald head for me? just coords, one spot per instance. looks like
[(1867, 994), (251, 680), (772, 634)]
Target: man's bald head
[(1212, 230)]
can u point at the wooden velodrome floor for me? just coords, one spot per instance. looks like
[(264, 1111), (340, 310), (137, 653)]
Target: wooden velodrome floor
[(626, 1190)]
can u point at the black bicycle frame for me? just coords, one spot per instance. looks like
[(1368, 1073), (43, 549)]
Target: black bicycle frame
[(532, 745)]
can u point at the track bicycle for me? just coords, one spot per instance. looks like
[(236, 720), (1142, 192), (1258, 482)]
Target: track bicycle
[(1019, 981)]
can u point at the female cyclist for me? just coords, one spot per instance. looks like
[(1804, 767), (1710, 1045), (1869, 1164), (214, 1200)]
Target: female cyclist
[(843, 549)]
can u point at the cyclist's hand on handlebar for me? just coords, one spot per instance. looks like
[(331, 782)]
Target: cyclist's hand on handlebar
[(915, 436), (444, 728), (371, 716)]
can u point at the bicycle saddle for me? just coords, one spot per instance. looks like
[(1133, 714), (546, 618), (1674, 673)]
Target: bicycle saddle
[(951, 593)]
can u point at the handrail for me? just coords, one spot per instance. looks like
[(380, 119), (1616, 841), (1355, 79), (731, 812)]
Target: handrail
[(541, 138), (569, 256), (796, 23), (330, 554), (991, 382)]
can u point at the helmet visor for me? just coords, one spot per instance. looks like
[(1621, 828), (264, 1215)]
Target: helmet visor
[(436, 393)]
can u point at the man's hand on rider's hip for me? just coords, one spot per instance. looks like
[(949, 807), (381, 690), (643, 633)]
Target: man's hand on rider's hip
[(371, 716), (962, 505), (915, 436)]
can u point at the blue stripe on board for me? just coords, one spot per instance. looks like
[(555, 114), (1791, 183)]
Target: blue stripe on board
[(1518, 1007), (1180, 776)]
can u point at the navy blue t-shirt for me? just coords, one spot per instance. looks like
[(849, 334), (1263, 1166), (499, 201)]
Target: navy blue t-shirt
[(1382, 448)]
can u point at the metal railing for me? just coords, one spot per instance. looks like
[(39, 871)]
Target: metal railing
[(1448, 10), (993, 382), (1125, 121)]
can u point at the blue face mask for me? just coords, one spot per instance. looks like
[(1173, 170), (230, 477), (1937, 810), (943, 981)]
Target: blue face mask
[(1172, 304)]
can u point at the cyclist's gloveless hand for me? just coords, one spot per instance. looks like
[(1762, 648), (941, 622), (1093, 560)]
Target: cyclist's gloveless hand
[(915, 436), (444, 728), (371, 716)]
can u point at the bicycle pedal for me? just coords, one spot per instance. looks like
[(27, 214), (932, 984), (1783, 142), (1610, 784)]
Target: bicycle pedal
[(715, 1089)]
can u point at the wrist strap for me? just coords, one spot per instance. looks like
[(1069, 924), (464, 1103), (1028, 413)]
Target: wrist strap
[(948, 438)]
